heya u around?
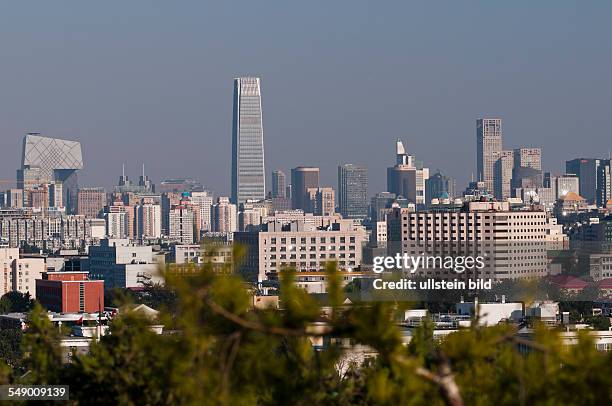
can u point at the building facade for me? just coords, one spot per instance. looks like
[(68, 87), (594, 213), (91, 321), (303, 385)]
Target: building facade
[(302, 179), (353, 191), (488, 149), (248, 169)]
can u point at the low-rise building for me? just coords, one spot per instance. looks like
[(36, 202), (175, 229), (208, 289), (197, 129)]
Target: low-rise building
[(70, 292)]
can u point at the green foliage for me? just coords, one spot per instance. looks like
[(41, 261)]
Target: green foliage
[(224, 351), (43, 358), (16, 301)]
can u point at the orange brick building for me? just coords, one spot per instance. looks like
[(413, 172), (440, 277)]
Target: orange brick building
[(70, 292)]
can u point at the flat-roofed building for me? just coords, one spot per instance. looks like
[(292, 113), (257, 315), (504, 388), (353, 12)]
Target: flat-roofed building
[(298, 245)]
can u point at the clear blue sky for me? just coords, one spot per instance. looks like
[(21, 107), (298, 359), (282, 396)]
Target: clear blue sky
[(151, 81)]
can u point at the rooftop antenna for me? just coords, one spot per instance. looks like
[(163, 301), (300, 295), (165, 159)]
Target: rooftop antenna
[(123, 170), (143, 175)]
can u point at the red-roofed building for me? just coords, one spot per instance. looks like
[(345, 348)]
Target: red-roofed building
[(70, 292), (605, 285), (568, 283)]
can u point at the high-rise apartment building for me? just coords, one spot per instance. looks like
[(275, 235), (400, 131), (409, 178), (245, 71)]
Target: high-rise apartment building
[(50, 159), (182, 219), (91, 201), (353, 191), (168, 200), (279, 184), (117, 220), (224, 216), (248, 171), (148, 220), (302, 179), (488, 149), (203, 201), (13, 198)]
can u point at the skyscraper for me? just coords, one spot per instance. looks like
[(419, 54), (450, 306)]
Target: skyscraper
[(439, 186), (594, 175), (204, 201), (353, 191), (279, 184), (528, 158), (302, 179), (91, 201), (488, 149), (407, 178), (45, 160), (502, 171), (248, 172)]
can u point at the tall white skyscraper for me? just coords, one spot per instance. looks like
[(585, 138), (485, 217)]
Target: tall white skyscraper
[(248, 172)]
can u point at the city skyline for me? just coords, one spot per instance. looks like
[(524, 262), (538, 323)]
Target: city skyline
[(135, 90)]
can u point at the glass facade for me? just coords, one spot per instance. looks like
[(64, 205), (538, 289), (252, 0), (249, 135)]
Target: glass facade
[(353, 191), (248, 172)]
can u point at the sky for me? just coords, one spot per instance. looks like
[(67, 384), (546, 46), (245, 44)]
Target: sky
[(151, 82)]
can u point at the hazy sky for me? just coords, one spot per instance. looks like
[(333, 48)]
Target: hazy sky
[(151, 82)]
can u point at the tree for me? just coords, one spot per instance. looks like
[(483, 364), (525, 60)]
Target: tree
[(225, 352), (16, 301)]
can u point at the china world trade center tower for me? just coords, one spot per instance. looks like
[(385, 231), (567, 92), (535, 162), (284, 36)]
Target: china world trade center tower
[(248, 172)]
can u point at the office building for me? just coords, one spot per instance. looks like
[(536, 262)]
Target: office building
[(488, 149), (502, 175), (248, 170), (353, 191), (179, 185), (322, 201), (528, 158), (91, 201), (595, 180), (121, 264), (296, 244), (439, 186), (45, 160), (279, 184), (407, 178), (380, 205), (302, 179), (512, 242), (70, 292)]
